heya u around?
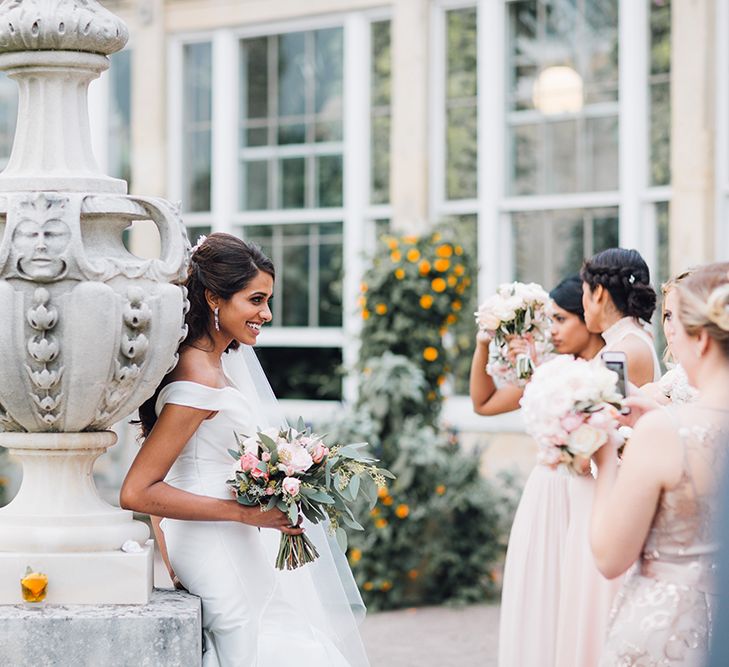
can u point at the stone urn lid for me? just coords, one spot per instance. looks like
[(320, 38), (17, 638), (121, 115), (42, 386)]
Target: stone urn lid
[(65, 25)]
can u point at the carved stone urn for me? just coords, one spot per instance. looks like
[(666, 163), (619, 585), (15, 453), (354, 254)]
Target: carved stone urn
[(88, 330)]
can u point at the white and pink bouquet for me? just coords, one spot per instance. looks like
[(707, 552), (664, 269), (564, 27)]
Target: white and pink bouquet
[(570, 408), (294, 471), (516, 310)]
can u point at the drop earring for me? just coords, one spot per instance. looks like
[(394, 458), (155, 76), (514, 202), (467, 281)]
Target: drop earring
[(216, 318)]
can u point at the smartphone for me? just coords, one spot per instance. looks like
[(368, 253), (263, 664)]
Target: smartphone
[(618, 362)]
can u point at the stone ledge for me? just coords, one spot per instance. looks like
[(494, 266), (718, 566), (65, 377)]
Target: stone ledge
[(164, 633)]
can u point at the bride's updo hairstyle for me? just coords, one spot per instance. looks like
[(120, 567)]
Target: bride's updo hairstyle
[(568, 295), (625, 275), (223, 264), (704, 303)]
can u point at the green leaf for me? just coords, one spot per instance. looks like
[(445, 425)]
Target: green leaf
[(354, 487), (300, 425), (351, 522), (320, 496), (271, 503), (269, 442), (342, 539), (293, 513), (235, 454)]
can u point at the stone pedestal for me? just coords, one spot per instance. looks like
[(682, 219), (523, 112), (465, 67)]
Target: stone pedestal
[(164, 633), (98, 577)]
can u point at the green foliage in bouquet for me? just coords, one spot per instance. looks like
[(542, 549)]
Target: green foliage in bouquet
[(437, 534)]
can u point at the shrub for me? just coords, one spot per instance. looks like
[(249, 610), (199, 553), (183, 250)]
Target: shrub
[(437, 534)]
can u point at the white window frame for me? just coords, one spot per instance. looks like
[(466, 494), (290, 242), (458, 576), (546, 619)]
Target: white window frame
[(721, 157), (356, 214), (634, 198)]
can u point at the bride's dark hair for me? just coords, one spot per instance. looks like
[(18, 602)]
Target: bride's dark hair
[(224, 265), (625, 275), (568, 295)]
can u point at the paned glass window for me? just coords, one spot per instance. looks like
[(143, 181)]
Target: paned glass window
[(291, 121), (461, 173), (8, 117), (380, 113), (549, 245), (562, 96), (120, 116), (309, 269), (197, 126), (660, 92)]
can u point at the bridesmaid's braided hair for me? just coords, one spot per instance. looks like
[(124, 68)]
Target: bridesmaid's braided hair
[(224, 265), (625, 275)]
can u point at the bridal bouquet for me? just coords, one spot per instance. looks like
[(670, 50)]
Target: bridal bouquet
[(517, 309), (293, 470), (570, 408)]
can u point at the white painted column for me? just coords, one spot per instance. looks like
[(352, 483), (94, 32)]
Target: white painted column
[(693, 132), (356, 176), (148, 119), (494, 244), (633, 32), (409, 134), (226, 57)]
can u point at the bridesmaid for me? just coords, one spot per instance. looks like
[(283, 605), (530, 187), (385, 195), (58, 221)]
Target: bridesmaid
[(618, 300), (529, 600), (660, 506)]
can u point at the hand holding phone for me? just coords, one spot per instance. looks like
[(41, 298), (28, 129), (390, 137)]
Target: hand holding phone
[(618, 362)]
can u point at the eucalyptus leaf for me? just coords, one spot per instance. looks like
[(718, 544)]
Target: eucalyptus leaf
[(269, 442), (341, 538)]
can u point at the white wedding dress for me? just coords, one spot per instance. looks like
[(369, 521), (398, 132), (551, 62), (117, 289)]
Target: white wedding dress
[(253, 614)]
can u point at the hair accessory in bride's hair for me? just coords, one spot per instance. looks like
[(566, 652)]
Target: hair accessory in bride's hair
[(631, 279), (200, 240)]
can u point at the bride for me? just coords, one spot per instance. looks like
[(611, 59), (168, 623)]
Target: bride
[(223, 552)]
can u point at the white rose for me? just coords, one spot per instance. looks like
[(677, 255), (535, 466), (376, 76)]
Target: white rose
[(250, 446), (586, 440), (294, 458)]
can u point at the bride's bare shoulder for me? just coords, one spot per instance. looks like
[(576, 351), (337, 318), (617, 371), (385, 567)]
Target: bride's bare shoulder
[(196, 366)]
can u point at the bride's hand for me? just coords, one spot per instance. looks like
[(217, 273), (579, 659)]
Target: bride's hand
[(273, 518)]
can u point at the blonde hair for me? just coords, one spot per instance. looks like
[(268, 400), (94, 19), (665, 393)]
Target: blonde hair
[(704, 303)]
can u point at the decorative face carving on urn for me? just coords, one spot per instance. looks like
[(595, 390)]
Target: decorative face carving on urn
[(40, 240)]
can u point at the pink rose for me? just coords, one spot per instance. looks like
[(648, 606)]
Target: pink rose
[(320, 452), (257, 473), (291, 485), (248, 461), (269, 491), (265, 457), (571, 422)]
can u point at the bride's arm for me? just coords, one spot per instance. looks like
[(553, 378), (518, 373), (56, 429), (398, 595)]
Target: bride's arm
[(486, 398), (144, 489), (626, 497)]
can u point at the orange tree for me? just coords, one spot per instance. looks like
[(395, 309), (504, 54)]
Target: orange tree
[(411, 298), (436, 534)]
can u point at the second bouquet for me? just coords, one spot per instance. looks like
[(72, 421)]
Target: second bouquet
[(516, 310), (294, 471)]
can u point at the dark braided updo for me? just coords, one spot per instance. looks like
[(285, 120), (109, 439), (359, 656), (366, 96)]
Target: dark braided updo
[(625, 275)]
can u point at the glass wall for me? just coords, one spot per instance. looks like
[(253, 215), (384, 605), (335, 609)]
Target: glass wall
[(120, 116)]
